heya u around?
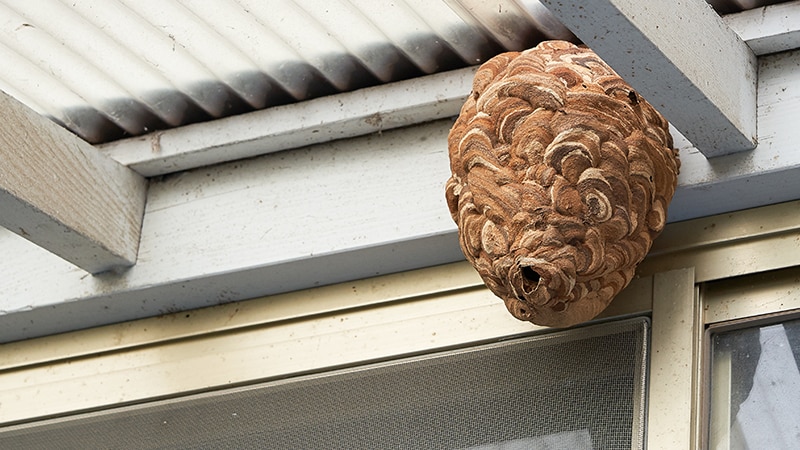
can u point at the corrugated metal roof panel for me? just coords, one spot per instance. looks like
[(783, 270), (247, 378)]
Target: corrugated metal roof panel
[(107, 69)]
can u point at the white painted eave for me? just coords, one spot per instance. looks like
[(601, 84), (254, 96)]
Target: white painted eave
[(334, 212), (337, 211), (766, 30), (704, 85), (325, 119)]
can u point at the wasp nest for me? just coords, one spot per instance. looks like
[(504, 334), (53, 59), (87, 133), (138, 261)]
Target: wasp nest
[(561, 177)]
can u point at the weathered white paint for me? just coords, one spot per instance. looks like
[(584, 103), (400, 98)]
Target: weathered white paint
[(62, 194), (361, 112), (769, 29), (768, 174), (357, 113), (284, 221), (682, 58), (334, 212)]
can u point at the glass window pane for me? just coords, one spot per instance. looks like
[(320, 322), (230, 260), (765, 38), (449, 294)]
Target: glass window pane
[(755, 388)]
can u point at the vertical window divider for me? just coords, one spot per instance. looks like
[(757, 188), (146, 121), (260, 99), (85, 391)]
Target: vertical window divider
[(673, 385)]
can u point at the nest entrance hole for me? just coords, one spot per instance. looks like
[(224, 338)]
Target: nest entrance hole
[(531, 275)]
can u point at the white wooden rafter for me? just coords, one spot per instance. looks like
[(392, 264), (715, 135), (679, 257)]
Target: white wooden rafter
[(325, 119), (682, 58), (338, 211), (769, 29), (64, 195)]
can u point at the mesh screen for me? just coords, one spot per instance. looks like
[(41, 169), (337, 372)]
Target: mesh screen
[(581, 388)]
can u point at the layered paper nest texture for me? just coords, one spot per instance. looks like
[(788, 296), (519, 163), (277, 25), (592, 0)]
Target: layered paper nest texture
[(561, 178)]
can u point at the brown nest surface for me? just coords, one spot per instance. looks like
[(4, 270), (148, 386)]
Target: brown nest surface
[(561, 178)]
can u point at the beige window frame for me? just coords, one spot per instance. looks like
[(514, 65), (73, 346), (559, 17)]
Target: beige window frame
[(738, 271), (751, 301)]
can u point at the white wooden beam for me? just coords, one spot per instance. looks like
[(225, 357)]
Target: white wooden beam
[(62, 194), (356, 113), (770, 173), (769, 29), (682, 58)]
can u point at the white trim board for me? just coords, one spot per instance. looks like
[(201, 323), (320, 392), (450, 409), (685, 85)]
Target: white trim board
[(324, 119), (367, 110), (285, 221), (769, 29), (335, 212)]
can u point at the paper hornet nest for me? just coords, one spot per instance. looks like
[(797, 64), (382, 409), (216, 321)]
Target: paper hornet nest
[(561, 178)]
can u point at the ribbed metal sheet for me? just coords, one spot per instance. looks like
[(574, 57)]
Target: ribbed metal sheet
[(107, 69)]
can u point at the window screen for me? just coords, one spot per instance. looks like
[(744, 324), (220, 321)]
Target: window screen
[(755, 388), (575, 389)]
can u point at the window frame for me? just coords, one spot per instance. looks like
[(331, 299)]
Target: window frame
[(750, 301)]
